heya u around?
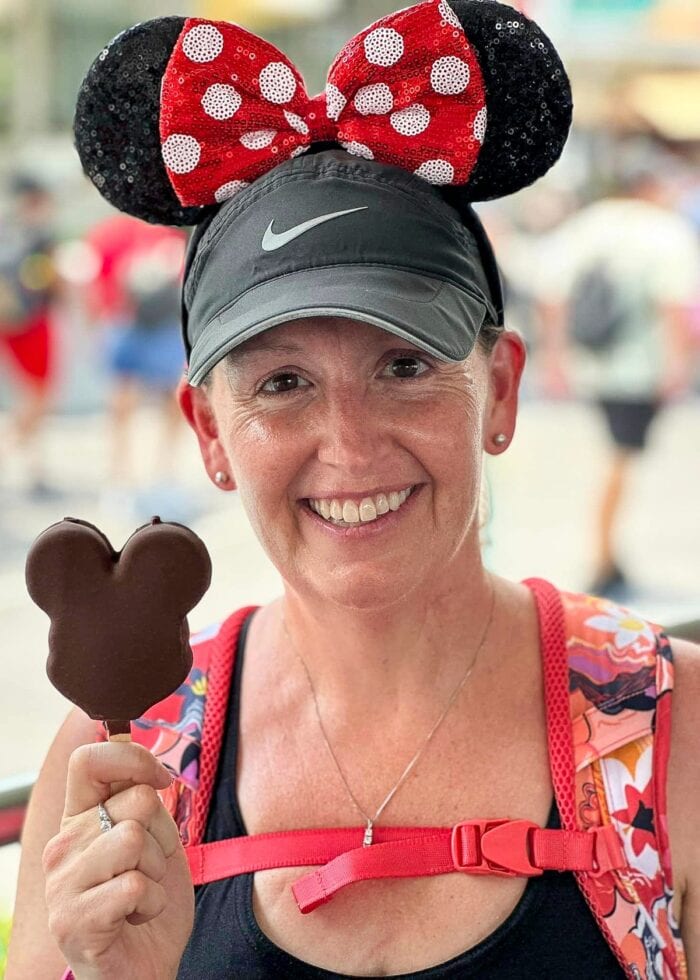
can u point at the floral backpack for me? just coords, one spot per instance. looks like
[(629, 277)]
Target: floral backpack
[(608, 679)]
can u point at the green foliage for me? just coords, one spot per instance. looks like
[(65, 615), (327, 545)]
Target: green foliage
[(5, 925)]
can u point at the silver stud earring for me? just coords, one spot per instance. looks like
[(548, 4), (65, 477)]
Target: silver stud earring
[(501, 439), (221, 478)]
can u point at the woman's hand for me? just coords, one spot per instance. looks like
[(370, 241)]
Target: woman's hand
[(120, 902)]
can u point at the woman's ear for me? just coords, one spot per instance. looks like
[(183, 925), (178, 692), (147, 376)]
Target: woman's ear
[(505, 368), (195, 404)]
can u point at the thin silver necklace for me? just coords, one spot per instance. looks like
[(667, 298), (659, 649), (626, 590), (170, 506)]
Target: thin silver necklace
[(370, 821)]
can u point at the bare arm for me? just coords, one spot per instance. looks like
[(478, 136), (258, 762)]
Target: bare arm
[(554, 351), (33, 952), (684, 795), (679, 352)]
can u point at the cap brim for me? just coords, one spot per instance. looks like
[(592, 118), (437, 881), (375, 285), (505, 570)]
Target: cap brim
[(435, 315)]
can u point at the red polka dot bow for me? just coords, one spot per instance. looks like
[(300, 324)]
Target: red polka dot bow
[(406, 91)]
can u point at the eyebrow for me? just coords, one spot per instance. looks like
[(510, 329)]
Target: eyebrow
[(264, 347)]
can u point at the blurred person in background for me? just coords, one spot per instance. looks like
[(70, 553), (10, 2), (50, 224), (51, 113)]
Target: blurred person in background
[(27, 293), (136, 299), (689, 203), (619, 280), (517, 229)]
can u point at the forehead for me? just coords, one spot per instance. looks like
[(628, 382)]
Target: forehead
[(316, 334)]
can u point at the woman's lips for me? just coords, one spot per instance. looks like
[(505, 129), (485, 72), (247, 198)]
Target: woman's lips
[(359, 509), (364, 528)]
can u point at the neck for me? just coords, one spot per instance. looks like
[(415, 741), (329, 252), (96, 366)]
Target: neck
[(411, 652)]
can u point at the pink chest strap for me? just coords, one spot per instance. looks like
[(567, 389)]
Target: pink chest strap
[(505, 848)]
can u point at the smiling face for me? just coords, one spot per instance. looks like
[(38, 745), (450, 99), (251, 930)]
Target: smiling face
[(325, 424)]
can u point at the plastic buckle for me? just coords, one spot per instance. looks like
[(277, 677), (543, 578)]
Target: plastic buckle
[(503, 848), (607, 851)]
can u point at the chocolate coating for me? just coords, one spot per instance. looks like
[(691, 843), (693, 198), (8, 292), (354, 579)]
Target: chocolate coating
[(119, 638)]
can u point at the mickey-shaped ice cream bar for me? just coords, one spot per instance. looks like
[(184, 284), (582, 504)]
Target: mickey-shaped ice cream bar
[(178, 114), (119, 638)]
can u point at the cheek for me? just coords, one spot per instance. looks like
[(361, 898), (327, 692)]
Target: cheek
[(451, 450), (251, 437), (448, 426), (264, 453)]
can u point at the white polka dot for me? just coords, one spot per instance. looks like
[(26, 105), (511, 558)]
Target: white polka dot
[(374, 100), (297, 152), (181, 153), (221, 101), (277, 83), (480, 124), (335, 101), (436, 171), (358, 150), (449, 76), (411, 121), (296, 122), (203, 43), (229, 190), (384, 46), (259, 139), (448, 14)]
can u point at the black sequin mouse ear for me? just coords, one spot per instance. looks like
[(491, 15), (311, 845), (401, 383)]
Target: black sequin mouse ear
[(528, 99), (117, 124)]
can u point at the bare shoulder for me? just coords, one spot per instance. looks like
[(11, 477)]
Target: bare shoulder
[(32, 950), (684, 792), (684, 762)]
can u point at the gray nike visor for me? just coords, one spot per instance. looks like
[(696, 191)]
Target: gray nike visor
[(329, 234)]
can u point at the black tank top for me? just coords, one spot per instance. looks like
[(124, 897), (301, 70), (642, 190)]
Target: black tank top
[(550, 934)]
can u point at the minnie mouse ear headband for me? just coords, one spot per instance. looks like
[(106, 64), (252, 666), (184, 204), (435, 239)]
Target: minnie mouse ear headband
[(436, 103)]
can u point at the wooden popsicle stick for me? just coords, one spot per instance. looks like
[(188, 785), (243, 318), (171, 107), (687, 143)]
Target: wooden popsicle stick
[(118, 737)]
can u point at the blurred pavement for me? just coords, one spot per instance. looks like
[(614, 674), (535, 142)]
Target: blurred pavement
[(541, 495)]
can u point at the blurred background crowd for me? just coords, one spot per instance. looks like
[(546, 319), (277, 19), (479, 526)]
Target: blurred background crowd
[(601, 262)]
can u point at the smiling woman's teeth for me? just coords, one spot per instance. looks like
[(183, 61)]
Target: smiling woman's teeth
[(369, 509)]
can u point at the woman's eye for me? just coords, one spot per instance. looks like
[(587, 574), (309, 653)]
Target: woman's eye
[(279, 384), (406, 367)]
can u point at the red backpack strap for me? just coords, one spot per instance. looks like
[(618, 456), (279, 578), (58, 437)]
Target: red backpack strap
[(501, 848), (185, 730), (222, 655), (609, 673)]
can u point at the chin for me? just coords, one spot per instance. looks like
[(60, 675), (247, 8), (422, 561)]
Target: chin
[(362, 591)]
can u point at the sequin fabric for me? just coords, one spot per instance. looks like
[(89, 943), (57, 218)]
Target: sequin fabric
[(117, 132), (468, 95), (407, 91), (529, 98)]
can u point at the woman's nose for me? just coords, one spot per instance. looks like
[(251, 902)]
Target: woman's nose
[(351, 434)]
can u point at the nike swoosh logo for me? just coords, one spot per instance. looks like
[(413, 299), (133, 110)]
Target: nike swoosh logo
[(273, 240)]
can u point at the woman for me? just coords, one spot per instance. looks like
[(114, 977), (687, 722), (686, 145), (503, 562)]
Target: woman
[(348, 368)]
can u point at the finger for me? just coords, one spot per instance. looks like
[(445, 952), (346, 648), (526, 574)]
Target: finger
[(92, 768), (127, 847), (139, 803), (130, 896), (142, 803), (93, 920)]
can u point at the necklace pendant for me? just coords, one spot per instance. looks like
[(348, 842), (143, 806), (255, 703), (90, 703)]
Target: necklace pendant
[(369, 832)]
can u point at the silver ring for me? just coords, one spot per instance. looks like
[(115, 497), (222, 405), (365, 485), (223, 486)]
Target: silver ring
[(105, 819)]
